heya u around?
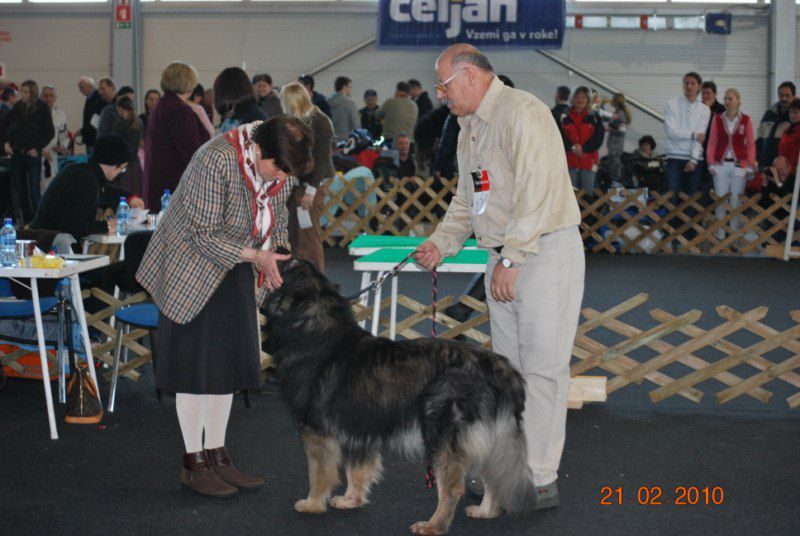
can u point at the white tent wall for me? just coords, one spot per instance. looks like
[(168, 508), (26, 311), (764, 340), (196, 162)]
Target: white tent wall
[(57, 50), (646, 64)]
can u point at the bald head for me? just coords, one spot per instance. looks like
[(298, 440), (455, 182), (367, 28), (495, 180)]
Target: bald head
[(459, 54), (465, 75)]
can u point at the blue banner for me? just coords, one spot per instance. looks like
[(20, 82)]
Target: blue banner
[(483, 23)]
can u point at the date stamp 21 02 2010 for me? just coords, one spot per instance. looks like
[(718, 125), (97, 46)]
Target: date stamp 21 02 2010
[(657, 495)]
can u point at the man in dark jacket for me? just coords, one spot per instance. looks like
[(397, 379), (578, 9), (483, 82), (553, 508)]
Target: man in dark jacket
[(367, 113), (92, 107), (317, 99), (562, 104), (773, 124), (424, 104), (70, 203)]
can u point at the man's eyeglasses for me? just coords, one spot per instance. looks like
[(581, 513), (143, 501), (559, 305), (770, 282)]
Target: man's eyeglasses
[(441, 87)]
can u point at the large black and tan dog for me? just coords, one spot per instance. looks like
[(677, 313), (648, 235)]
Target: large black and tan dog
[(456, 406)]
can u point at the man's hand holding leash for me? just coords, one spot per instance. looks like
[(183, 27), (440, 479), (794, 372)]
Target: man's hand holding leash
[(427, 255)]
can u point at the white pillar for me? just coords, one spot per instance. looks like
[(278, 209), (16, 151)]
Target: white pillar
[(782, 44), (125, 46)]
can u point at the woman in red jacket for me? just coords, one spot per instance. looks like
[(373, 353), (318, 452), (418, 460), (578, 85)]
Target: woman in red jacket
[(731, 155), (174, 133), (790, 140), (583, 133)]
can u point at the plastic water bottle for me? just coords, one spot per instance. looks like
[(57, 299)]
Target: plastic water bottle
[(123, 213), (166, 199), (8, 244)]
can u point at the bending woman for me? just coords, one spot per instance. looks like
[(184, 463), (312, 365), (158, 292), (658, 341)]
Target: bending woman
[(225, 222)]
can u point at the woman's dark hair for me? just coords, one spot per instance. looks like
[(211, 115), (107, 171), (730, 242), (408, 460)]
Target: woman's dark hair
[(288, 141), (231, 87), (199, 91), (263, 77), (33, 100), (146, 95), (709, 84), (126, 103), (795, 104), (586, 93), (648, 139)]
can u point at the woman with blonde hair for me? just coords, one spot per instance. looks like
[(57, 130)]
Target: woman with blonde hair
[(174, 133), (731, 154), (305, 202)]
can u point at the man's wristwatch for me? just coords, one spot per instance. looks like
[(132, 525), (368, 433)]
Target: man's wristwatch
[(507, 263)]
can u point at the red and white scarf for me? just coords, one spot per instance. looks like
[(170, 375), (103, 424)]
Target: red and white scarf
[(262, 189)]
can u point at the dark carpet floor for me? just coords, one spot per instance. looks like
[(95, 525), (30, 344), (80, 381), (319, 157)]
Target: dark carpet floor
[(122, 477)]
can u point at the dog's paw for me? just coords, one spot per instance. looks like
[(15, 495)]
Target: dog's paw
[(476, 512), (307, 506), (424, 527), (343, 502)]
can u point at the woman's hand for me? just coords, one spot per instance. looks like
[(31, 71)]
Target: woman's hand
[(577, 149), (712, 169), (267, 261), (306, 201), (33, 152)]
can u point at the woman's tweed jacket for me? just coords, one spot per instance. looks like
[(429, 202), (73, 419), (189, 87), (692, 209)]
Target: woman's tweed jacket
[(202, 234)]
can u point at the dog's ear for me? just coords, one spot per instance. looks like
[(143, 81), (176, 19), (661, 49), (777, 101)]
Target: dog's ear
[(285, 266)]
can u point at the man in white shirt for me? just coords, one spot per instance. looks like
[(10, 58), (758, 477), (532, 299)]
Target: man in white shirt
[(58, 145), (685, 121)]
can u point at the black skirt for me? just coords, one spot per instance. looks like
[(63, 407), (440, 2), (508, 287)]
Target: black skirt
[(217, 352)]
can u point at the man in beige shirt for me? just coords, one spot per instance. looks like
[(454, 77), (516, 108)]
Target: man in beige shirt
[(515, 194), (399, 114)]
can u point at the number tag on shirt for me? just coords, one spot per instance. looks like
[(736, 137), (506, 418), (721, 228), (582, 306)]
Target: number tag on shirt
[(480, 180)]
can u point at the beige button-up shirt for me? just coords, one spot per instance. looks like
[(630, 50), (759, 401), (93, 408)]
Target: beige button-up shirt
[(512, 135)]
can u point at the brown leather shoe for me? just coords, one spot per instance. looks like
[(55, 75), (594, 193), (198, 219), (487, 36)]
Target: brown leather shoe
[(228, 472), (198, 475)]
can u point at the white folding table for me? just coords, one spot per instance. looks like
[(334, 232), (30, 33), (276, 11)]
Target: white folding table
[(467, 261), (76, 264)]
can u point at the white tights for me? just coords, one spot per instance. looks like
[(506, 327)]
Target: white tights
[(197, 413)]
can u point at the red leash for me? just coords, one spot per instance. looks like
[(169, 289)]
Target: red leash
[(433, 304), (430, 477)]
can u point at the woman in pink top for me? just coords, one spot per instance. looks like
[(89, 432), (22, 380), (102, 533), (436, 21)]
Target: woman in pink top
[(731, 155), (194, 101)]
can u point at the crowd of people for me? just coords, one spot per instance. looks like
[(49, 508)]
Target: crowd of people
[(710, 145)]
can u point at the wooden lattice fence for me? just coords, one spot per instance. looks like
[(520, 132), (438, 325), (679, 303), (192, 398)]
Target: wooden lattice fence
[(615, 221), (643, 356), (635, 356)]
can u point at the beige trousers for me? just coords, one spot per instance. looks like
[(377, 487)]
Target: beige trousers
[(536, 333)]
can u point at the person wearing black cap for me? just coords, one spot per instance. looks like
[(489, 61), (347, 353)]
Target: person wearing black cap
[(70, 203)]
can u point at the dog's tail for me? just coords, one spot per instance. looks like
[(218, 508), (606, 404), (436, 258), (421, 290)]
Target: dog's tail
[(505, 470)]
